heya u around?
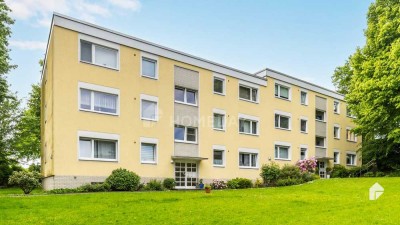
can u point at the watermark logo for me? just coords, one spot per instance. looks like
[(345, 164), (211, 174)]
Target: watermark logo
[(375, 191)]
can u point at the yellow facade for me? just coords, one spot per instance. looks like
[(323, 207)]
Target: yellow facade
[(62, 118)]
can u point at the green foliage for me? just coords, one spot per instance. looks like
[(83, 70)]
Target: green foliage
[(102, 187), (169, 183), (34, 167), (270, 173), (7, 167), (154, 185), (123, 180), (27, 181), (371, 81), (339, 171), (307, 177), (240, 183), (258, 183), (369, 174), (380, 174), (289, 182), (26, 142), (290, 171)]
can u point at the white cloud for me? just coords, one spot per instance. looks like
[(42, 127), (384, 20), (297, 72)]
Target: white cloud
[(128, 4), (38, 12), (28, 45)]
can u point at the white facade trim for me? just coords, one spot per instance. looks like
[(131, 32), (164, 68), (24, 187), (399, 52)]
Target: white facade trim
[(98, 88), (248, 117), (149, 56), (151, 99), (221, 77)]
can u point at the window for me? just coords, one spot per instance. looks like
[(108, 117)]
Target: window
[(98, 54), (148, 152), (320, 142), (248, 160), (185, 134), (248, 126), (351, 159), (303, 98), (282, 91), (303, 125), (319, 115), (336, 107), (185, 96), (282, 122), (336, 132), (149, 67), (282, 152), (149, 107), (348, 112), (97, 149), (219, 85), (350, 136), (219, 121), (336, 157), (303, 153), (103, 101), (218, 157), (248, 93)]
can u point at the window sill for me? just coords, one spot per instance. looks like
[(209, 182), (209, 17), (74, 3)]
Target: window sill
[(219, 166), (94, 64), (105, 113), (184, 103), (150, 77), (247, 100), (304, 104), (320, 147), (352, 117), (217, 129), (351, 165), (248, 167), (149, 163), (351, 141), (280, 128), (338, 163), (98, 160), (322, 121), (186, 142), (304, 132), (283, 159), (336, 113), (286, 99), (249, 134), (336, 138), (150, 120), (221, 94)]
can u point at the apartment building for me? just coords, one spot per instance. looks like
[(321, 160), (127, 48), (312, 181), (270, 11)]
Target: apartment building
[(112, 101)]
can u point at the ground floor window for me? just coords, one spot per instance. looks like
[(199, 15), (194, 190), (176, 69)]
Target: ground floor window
[(248, 159), (90, 148), (282, 152), (303, 153), (351, 159), (148, 152), (336, 157), (218, 157)]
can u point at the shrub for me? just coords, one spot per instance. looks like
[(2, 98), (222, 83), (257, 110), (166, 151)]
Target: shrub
[(355, 171), (289, 182), (258, 183), (307, 177), (123, 180), (153, 185), (64, 191), (103, 187), (290, 171), (307, 165), (233, 184), (380, 174), (339, 171), (270, 173), (34, 167), (6, 169), (240, 183), (27, 181), (369, 174), (218, 184), (169, 183), (394, 174)]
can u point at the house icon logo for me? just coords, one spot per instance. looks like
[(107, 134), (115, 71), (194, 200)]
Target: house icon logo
[(375, 191)]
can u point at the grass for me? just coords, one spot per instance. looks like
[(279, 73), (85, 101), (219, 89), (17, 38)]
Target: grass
[(333, 201)]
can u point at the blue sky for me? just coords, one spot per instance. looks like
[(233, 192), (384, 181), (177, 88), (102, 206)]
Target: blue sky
[(306, 39)]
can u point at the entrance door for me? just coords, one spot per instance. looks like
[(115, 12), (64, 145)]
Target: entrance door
[(186, 174), (322, 169)]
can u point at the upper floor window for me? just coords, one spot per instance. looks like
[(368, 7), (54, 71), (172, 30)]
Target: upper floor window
[(185, 134), (282, 121), (303, 97), (351, 159), (248, 93), (218, 155), (348, 112), (336, 132), (336, 157), (98, 54), (303, 125), (97, 98), (282, 91), (219, 85), (219, 121), (149, 67), (248, 126), (149, 107), (185, 95), (320, 142), (350, 136), (336, 107), (319, 115)]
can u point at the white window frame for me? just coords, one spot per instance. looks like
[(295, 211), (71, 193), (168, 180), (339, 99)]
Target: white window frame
[(351, 134), (338, 127), (306, 103), (221, 148), (251, 87), (151, 99), (286, 85), (154, 141), (101, 43), (324, 120), (349, 114), (305, 119), (306, 148), (251, 119), (249, 151), (185, 135), (283, 114), (98, 136), (338, 107), (98, 88), (318, 146), (338, 158), (220, 112), (283, 144), (185, 96), (145, 55), (355, 158), (223, 79)]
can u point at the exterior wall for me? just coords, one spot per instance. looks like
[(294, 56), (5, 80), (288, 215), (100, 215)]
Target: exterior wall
[(64, 119)]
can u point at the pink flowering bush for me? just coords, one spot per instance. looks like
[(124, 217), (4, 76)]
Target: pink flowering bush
[(307, 165), (218, 184)]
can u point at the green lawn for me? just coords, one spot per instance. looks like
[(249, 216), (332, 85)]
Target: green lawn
[(333, 201)]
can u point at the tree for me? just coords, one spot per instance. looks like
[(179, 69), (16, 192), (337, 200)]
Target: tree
[(370, 80), (26, 142)]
